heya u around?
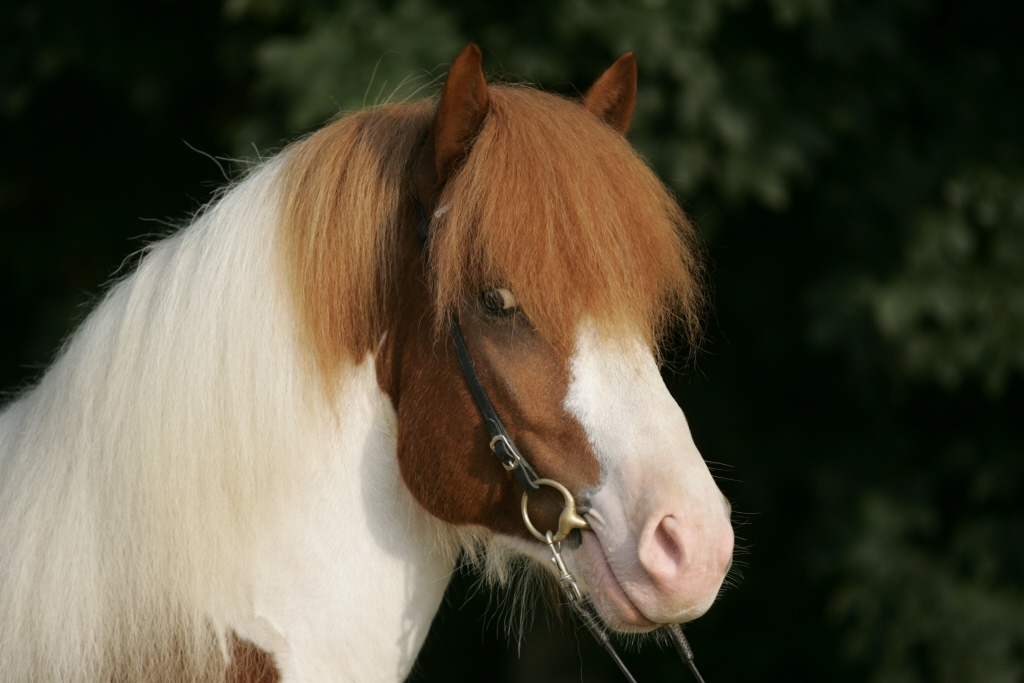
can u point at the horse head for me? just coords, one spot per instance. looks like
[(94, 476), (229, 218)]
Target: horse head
[(563, 260)]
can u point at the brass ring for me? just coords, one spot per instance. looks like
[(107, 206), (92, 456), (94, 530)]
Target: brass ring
[(568, 520)]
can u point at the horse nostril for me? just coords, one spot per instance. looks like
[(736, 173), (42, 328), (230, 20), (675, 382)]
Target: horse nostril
[(664, 554), (728, 507), (666, 540)]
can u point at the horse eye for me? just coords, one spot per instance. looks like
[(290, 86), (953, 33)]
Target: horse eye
[(500, 302)]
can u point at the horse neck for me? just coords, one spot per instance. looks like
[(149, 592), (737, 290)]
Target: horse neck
[(351, 575), (164, 465)]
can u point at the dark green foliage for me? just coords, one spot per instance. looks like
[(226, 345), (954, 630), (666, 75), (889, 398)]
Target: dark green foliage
[(857, 168)]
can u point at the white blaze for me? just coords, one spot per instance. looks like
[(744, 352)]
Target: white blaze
[(658, 514)]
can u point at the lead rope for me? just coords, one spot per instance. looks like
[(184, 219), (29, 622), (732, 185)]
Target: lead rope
[(675, 632), (507, 453), (575, 596), (572, 591)]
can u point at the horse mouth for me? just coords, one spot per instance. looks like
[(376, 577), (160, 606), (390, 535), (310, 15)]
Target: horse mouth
[(612, 603)]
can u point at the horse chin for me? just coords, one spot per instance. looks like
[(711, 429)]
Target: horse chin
[(612, 603)]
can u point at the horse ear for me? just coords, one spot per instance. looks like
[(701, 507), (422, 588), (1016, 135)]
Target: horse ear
[(613, 96), (461, 111)]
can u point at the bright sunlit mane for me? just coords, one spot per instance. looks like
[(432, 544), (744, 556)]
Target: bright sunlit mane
[(133, 478), (345, 189)]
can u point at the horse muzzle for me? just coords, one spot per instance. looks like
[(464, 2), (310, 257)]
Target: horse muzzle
[(670, 572)]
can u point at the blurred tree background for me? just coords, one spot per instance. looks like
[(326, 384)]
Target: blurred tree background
[(856, 168)]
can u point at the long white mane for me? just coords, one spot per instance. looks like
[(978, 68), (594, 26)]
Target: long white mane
[(134, 477)]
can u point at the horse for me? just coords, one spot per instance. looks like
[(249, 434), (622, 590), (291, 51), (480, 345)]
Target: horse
[(257, 457)]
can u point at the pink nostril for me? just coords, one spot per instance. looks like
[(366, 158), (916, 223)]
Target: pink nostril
[(663, 554), (667, 537)]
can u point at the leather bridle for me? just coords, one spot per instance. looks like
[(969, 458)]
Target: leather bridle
[(569, 521)]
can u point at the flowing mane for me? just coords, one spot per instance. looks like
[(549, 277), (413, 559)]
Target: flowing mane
[(552, 203), (134, 477)]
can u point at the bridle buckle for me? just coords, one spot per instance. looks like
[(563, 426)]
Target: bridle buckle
[(516, 458)]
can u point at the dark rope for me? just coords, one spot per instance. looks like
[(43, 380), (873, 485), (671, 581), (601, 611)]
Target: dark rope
[(675, 631), (599, 634)]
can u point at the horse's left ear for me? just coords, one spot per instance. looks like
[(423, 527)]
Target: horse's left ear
[(613, 96), (460, 113)]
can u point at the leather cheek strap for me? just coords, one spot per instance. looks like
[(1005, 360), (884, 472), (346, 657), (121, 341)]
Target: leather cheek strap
[(501, 441)]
